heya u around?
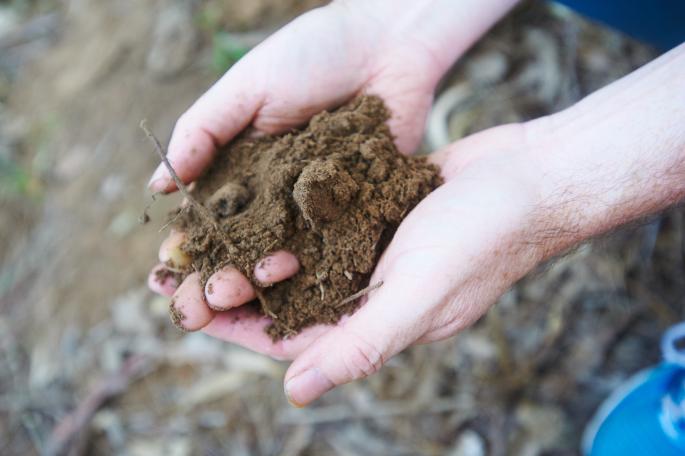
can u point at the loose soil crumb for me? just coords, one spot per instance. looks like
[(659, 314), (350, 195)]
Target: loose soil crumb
[(333, 194), (163, 274), (176, 315)]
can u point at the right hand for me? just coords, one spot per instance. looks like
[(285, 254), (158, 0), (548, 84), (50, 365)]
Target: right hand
[(395, 49)]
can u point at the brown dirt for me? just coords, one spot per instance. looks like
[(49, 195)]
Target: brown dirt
[(176, 315), (162, 275), (333, 194)]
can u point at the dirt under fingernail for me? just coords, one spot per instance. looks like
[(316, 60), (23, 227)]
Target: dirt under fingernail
[(333, 194), (164, 274)]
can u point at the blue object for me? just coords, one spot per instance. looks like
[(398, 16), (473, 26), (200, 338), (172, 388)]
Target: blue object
[(645, 416), (658, 22)]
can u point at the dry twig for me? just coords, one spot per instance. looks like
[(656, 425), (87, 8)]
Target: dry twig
[(360, 293), (203, 211), (69, 432), (173, 219)]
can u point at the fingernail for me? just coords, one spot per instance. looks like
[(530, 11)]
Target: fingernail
[(159, 180), (158, 185), (306, 387), (262, 272)]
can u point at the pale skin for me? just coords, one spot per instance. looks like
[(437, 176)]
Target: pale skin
[(514, 196)]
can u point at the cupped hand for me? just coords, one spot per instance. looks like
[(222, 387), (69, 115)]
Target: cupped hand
[(317, 62), (450, 259)]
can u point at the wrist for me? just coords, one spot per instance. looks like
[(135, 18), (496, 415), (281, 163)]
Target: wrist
[(441, 29), (615, 157), (447, 28)]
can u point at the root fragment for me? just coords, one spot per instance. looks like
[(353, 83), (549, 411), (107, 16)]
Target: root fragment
[(203, 211), (172, 220), (360, 293)]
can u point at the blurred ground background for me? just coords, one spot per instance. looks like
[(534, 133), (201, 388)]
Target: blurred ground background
[(78, 326)]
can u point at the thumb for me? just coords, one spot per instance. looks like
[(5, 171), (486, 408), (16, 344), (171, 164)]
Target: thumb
[(213, 120), (359, 345)]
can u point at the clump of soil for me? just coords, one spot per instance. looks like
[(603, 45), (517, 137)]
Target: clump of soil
[(333, 194)]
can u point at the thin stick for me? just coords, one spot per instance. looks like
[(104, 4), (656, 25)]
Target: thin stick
[(203, 211), (265, 307), (360, 293), (172, 220), (160, 151)]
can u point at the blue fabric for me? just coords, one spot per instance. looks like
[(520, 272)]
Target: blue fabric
[(633, 427), (658, 22)]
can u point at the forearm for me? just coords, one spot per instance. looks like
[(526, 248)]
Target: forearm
[(615, 157), (445, 28)]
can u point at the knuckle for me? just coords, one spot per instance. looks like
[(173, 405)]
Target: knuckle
[(361, 358)]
